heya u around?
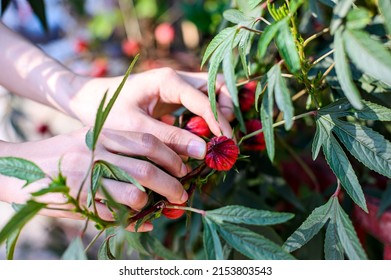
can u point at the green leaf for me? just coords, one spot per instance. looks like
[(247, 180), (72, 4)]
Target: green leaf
[(236, 16), (333, 249), (103, 113), (253, 3), (309, 228), (339, 163), (343, 72), (373, 111), (38, 7), (20, 218), (283, 99), (216, 42), (90, 137), (159, 249), (287, 48), (134, 241), (52, 189), (267, 114), (385, 201), (369, 55), (20, 168), (268, 35), (230, 81), (348, 236), (358, 18), (260, 90), (366, 145), (212, 243), (339, 12), (96, 179), (112, 171), (75, 251), (251, 244), (214, 65), (385, 9), (106, 249), (11, 244), (244, 215), (319, 138)]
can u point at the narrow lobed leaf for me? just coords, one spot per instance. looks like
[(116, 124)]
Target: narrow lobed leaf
[(339, 12), (244, 215), (309, 228), (343, 72), (287, 48), (212, 244), (75, 251), (348, 236), (283, 99), (385, 10), (251, 244), (267, 36), (21, 168), (369, 55), (333, 249)]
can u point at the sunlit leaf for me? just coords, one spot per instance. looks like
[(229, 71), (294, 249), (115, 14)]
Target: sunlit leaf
[(243, 215), (369, 55), (287, 47), (251, 244), (358, 18), (333, 249), (309, 228), (21, 168), (103, 112), (319, 138), (348, 236), (283, 99), (385, 9), (339, 12), (343, 72), (373, 111), (157, 248), (366, 145), (268, 35), (236, 16)]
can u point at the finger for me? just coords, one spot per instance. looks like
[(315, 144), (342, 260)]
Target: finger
[(124, 193), (151, 177), (178, 91), (144, 144), (143, 228), (199, 81), (180, 140)]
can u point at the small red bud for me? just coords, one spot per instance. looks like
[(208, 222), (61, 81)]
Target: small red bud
[(173, 213), (247, 96), (130, 47), (198, 126), (222, 153)]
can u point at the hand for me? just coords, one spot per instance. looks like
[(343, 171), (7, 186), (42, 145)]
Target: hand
[(116, 147), (150, 95)]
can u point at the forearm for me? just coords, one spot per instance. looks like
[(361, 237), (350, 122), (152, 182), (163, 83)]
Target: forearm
[(27, 71)]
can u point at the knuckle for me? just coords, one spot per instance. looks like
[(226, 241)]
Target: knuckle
[(145, 170), (149, 143), (136, 198), (168, 72)]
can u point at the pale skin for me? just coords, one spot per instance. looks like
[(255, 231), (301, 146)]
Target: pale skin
[(132, 129)]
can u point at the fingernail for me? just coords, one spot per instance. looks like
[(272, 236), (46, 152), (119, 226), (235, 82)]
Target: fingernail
[(146, 227), (184, 197), (183, 169), (196, 149)]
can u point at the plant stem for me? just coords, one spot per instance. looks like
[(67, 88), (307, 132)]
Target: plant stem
[(93, 240), (316, 35), (250, 29), (249, 80), (199, 211), (323, 57), (85, 178), (299, 94), (252, 134), (338, 189)]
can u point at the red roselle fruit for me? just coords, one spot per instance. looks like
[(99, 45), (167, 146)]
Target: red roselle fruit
[(222, 153), (130, 47), (198, 126), (164, 34), (247, 96), (173, 213), (257, 142)]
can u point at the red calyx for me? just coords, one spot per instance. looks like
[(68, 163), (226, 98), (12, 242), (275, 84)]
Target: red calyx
[(247, 96), (222, 153), (198, 126), (173, 213), (257, 142)]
